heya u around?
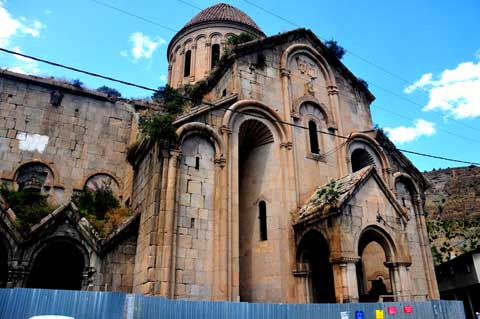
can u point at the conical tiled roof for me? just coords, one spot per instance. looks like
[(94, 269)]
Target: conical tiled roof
[(222, 12)]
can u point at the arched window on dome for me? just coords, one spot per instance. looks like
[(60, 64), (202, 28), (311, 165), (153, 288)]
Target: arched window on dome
[(215, 55), (313, 135), (188, 62)]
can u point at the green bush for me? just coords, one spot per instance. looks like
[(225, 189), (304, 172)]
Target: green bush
[(96, 203), (159, 128), (243, 37), (30, 206), (335, 49)]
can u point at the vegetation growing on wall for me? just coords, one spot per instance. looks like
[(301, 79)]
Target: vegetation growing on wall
[(30, 206), (110, 92), (101, 208), (243, 37), (335, 49), (451, 238)]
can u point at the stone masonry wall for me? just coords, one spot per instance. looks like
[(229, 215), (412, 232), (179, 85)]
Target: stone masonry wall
[(118, 266), (194, 255), (84, 135)]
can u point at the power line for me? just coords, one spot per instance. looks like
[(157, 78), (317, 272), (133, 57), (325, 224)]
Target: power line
[(134, 15), (368, 62), (213, 105)]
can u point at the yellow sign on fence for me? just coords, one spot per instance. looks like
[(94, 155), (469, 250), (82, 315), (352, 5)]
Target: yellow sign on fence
[(379, 314)]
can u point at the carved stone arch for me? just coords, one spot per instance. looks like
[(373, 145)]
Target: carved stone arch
[(40, 172), (200, 36), (36, 263), (257, 110), (6, 258), (186, 43), (92, 181), (296, 49), (380, 235), (204, 130), (229, 34), (374, 146), (309, 99), (408, 179), (213, 35)]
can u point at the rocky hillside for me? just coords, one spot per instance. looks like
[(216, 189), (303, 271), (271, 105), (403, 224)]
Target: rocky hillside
[(453, 206)]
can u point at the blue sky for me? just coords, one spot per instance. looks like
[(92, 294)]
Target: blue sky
[(434, 44)]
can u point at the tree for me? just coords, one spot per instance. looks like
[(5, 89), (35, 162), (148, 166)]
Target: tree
[(335, 49), (110, 92)]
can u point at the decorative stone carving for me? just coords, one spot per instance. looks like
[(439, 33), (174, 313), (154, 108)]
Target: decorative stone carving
[(56, 98)]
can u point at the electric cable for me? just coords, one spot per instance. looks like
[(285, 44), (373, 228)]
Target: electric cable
[(214, 105)]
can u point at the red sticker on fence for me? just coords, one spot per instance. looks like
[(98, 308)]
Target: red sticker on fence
[(392, 310), (407, 309)]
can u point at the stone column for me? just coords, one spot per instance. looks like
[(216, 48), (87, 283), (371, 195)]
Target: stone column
[(208, 56), (303, 283), (400, 279), (193, 63), (334, 102), (168, 271), (345, 279)]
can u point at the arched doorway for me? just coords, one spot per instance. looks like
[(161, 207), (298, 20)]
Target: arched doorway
[(373, 276), (3, 264), (256, 177), (313, 259), (59, 265)]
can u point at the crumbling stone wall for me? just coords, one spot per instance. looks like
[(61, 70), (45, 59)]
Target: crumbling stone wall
[(75, 132)]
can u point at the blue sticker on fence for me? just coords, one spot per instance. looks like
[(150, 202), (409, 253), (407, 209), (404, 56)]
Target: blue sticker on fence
[(359, 314)]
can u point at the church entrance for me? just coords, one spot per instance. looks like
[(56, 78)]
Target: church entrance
[(313, 259), (3, 265), (59, 265), (373, 276)]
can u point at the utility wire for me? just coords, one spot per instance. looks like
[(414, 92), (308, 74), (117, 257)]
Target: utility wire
[(134, 15), (214, 105), (298, 26), (370, 63)]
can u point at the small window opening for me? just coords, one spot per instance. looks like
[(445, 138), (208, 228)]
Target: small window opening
[(215, 55), (192, 222), (262, 207), (197, 162), (188, 61), (224, 92), (403, 201), (312, 132)]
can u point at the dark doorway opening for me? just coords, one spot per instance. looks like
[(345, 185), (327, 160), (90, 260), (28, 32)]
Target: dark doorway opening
[(58, 266), (314, 256), (3, 265)]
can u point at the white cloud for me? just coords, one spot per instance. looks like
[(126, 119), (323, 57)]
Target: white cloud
[(24, 65), (48, 11), (163, 78), (477, 54), (455, 92), (402, 134), (10, 26), (143, 46)]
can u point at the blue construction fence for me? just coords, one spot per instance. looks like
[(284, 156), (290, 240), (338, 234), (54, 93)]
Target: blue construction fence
[(20, 303)]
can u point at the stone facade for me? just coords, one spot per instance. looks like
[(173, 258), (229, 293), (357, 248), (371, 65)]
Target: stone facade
[(236, 211)]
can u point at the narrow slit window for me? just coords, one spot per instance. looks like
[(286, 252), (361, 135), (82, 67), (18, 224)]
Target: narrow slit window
[(188, 62), (312, 132), (215, 55), (197, 162), (262, 216)]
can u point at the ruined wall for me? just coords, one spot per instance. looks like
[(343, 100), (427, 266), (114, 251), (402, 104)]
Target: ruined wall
[(85, 134), (147, 185), (118, 266)]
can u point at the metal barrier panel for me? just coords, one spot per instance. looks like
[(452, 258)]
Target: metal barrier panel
[(26, 303)]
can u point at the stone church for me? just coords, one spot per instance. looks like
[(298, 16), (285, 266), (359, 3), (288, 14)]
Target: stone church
[(279, 191)]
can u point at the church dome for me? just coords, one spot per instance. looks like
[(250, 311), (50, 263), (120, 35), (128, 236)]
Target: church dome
[(222, 12)]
